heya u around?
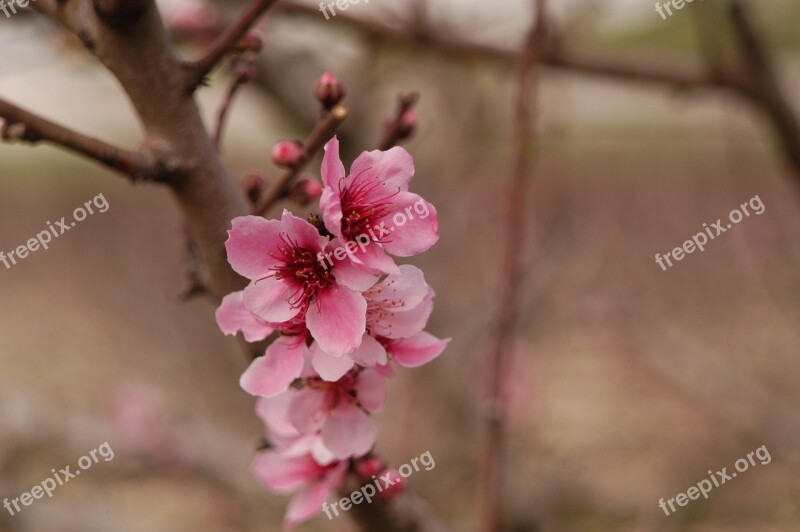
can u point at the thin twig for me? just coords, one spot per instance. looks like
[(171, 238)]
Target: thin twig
[(222, 113), (322, 132), (511, 269), (393, 131), (226, 42), (25, 126)]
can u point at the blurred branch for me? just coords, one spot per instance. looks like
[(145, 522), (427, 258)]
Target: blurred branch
[(510, 269), (322, 132), (764, 88), (554, 54), (226, 42), (25, 126)]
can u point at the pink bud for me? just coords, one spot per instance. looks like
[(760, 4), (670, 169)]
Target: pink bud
[(329, 90), (367, 466), (251, 42), (289, 153), (244, 69), (253, 184), (395, 489), (408, 123)]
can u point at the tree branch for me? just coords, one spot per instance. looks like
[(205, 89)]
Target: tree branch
[(510, 271), (226, 42), (322, 132), (25, 126)]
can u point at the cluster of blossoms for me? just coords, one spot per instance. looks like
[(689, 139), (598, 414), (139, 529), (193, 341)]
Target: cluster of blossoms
[(341, 328)]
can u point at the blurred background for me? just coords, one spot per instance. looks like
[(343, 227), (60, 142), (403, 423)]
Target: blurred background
[(628, 382)]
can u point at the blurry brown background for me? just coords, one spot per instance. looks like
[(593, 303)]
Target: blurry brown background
[(629, 382)]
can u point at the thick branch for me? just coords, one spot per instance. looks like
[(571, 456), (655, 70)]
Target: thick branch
[(26, 126), (322, 132), (510, 271), (226, 42)]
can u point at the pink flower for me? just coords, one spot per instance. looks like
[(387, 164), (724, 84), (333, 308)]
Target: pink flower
[(284, 473), (338, 411), (287, 278), (415, 351), (374, 201), (397, 307)]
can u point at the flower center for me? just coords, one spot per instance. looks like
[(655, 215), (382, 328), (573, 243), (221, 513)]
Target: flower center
[(302, 270), (359, 213)]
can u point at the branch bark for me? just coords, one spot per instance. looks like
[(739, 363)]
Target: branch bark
[(510, 271)]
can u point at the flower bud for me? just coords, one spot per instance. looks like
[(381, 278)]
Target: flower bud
[(251, 42), (305, 190), (244, 69), (367, 466), (253, 184), (395, 489), (289, 153), (329, 90), (407, 124)]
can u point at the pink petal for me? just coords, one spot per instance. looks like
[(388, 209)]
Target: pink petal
[(284, 474), (337, 319), (417, 350), (274, 412), (408, 287), (374, 260), (412, 234), (405, 323), (232, 316), (268, 298), (394, 168), (331, 368), (274, 372), (302, 232), (371, 390), (348, 273), (369, 353), (348, 431), (386, 371), (331, 207), (306, 410), (308, 503), (248, 245), (332, 168)]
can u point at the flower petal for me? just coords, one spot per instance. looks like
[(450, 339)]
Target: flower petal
[(394, 168), (332, 168), (369, 353), (417, 350), (371, 390), (331, 368), (272, 374), (302, 232), (306, 411), (284, 474), (415, 232), (337, 319), (348, 431), (268, 298), (232, 316), (248, 245)]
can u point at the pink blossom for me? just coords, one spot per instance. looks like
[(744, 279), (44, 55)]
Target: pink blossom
[(313, 482), (233, 317), (368, 201), (287, 278), (417, 350), (338, 411)]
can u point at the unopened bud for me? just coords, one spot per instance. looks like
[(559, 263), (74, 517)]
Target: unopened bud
[(305, 190), (367, 466), (329, 90), (396, 487), (289, 153), (253, 183), (407, 124), (244, 69), (251, 42)]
